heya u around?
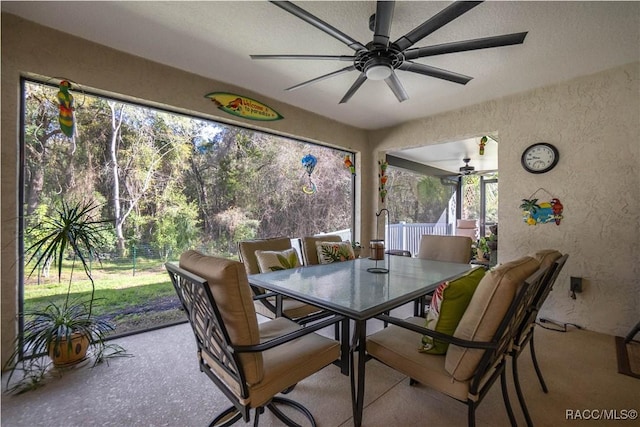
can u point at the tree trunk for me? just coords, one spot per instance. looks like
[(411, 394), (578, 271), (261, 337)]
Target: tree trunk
[(116, 124), (203, 197)]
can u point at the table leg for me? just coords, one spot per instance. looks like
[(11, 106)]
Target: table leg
[(344, 347), (359, 345), (279, 305)]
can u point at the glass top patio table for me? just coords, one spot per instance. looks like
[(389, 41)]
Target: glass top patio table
[(349, 289)]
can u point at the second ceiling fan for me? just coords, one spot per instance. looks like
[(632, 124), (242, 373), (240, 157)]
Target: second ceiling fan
[(380, 58)]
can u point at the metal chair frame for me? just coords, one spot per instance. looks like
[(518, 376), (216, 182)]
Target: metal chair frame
[(493, 362), (524, 333), (213, 340)]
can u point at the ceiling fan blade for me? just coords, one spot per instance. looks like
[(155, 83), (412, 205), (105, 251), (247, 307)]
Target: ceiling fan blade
[(356, 85), (445, 16), (384, 16), (319, 57), (466, 45), (323, 77), (438, 73), (319, 24), (396, 86)]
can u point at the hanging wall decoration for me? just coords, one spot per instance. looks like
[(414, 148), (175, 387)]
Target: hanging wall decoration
[(349, 164), (309, 164), (383, 179), (483, 143), (65, 116), (242, 106), (535, 212)]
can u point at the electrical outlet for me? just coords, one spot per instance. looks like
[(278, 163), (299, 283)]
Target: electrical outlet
[(576, 284)]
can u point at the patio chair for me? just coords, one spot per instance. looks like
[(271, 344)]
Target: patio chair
[(552, 261), (441, 248), (310, 257), (477, 351), (269, 304), (309, 250), (249, 362)]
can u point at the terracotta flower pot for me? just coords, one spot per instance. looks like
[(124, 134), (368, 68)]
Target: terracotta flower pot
[(62, 355)]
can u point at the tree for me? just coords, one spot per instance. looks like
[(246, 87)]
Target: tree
[(164, 177), (416, 198)]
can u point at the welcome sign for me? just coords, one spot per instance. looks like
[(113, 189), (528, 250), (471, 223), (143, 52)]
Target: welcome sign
[(242, 106)]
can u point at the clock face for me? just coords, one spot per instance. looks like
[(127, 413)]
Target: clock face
[(540, 157)]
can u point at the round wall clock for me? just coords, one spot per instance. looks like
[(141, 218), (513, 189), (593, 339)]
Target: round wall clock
[(540, 157)]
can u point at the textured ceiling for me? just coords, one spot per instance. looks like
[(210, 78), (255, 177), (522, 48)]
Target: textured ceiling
[(215, 39)]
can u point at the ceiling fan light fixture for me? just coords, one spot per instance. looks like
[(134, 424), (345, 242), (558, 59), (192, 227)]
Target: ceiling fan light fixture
[(379, 72)]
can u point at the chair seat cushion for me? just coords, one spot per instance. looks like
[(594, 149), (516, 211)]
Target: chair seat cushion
[(329, 252), (448, 304), (391, 347), (288, 364)]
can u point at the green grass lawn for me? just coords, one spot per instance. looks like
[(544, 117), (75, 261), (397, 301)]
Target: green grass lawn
[(131, 301)]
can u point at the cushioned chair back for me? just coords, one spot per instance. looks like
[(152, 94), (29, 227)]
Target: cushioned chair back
[(547, 258), (248, 248), (445, 248), (551, 262), (486, 316), (232, 300), (309, 250)]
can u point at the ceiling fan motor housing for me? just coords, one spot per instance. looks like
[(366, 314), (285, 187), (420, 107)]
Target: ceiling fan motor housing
[(466, 169), (378, 58)]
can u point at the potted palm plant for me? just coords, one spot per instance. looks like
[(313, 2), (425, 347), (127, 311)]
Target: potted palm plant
[(482, 248), (64, 331)]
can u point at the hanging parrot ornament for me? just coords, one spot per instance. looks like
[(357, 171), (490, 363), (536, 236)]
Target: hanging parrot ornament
[(65, 117), (483, 142), (349, 164), (383, 179)]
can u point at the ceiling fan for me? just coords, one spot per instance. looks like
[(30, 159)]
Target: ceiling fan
[(380, 58), (467, 169)]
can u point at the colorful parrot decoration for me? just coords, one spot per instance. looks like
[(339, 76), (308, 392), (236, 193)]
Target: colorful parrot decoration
[(309, 164), (557, 208), (383, 180), (349, 164), (236, 104), (483, 142), (65, 117), (535, 213)]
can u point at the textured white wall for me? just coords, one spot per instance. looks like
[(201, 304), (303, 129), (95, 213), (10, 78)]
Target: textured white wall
[(595, 123)]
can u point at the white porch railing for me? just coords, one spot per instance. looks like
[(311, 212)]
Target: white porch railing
[(407, 236)]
